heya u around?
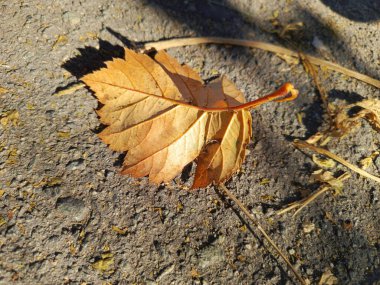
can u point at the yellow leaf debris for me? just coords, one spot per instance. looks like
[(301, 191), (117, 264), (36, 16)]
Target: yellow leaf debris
[(11, 117), (308, 228), (120, 231), (12, 156), (264, 181), (30, 106), (2, 221), (63, 135), (61, 40), (3, 90), (327, 177), (328, 278), (194, 273), (105, 264), (367, 161), (323, 162), (179, 207)]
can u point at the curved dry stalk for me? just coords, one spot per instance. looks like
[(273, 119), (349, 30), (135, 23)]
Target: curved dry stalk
[(322, 92), (262, 231), (302, 144), (260, 45), (304, 202)]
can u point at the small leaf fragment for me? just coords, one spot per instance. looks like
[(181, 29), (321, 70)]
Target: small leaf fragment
[(328, 278), (30, 106), (264, 181), (371, 112), (308, 228), (12, 156), (327, 177), (194, 273), (61, 40), (323, 162), (179, 207), (345, 122), (367, 161), (11, 117), (105, 264), (2, 221), (120, 231), (315, 138), (3, 90), (63, 135)]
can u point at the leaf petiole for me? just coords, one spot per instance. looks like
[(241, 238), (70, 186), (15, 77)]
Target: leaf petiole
[(285, 93)]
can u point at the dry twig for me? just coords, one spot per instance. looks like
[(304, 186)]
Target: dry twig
[(302, 144), (261, 45), (262, 231)]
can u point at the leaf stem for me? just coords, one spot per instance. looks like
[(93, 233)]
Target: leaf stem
[(285, 93), (263, 232)]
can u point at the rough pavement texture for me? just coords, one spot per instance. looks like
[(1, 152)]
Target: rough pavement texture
[(68, 217)]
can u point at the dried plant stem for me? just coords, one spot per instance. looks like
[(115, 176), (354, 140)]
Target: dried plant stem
[(260, 45), (304, 202), (260, 228), (321, 89), (302, 144)]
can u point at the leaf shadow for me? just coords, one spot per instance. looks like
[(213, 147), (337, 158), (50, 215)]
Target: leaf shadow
[(348, 97), (90, 59)]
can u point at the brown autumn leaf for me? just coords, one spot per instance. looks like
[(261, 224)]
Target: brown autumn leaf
[(164, 116)]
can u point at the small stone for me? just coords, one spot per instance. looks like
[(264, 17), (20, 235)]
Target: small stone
[(72, 207)]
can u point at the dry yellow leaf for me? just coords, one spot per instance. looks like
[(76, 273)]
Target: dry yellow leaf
[(164, 116)]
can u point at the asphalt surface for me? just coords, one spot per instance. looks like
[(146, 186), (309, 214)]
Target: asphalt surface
[(68, 217)]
